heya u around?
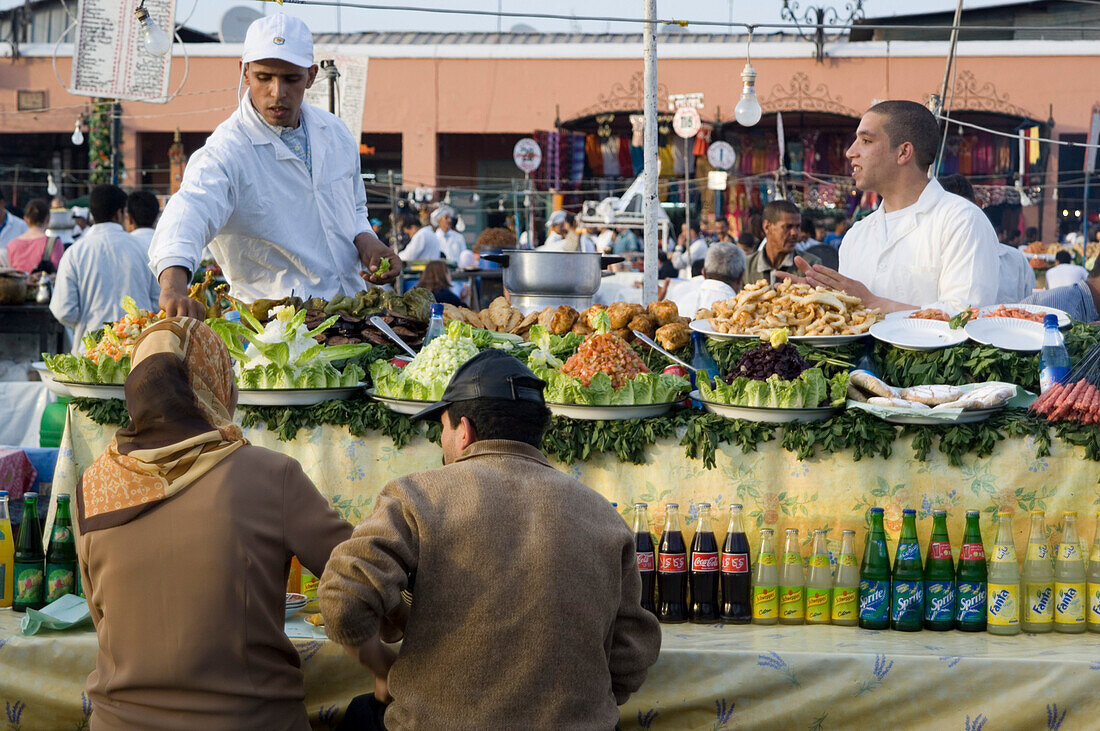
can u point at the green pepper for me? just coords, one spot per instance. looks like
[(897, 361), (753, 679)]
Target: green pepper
[(383, 267)]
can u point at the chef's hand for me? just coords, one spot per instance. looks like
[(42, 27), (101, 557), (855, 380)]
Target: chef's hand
[(371, 253), (821, 275), (173, 295), (377, 658)]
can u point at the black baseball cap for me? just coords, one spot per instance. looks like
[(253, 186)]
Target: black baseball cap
[(489, 374)]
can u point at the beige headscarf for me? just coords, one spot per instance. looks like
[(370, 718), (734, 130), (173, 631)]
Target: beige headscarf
[(180, 394)]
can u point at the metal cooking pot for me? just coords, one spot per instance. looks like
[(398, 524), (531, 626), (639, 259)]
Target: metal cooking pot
[(13, 287), (566, 273)]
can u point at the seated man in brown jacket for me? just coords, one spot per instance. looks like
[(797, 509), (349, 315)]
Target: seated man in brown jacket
[(527, 607)]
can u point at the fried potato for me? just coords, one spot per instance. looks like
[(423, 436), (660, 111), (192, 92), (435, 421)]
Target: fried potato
[(663, 312), (624, 333), (588, 315), (451, 312), (546, 316), (500, 312), (514, 319), (580, 327), (620, 314), (673, 336), (760, 308), (526, 323), (563, 319), (645, 324)]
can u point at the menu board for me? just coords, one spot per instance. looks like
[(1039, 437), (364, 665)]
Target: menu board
[(351, 88), (110, 59)]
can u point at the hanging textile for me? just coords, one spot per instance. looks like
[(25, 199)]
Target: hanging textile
[(576, 169), (679, 160), (594, 154), (626, 163), (702, 139), (665, 155), (637, 159), (609, 148)]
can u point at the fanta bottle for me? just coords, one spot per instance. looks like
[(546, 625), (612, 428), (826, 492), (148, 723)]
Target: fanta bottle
[(1037, 596), (765, 582), (1003, 608), (846, 586), (1069, 580), (1093, 588)]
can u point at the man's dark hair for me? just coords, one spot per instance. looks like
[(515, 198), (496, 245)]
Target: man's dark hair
[(1063, 257), (1031, 234), (105, 202), (808, 226), (494, 418), (407, 220), (745, 238), (911, 122), (774, 211), (37, 212), (143, 207), (959, 185)]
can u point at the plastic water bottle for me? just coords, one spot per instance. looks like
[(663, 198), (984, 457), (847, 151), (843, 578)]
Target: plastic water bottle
[(1053, 358), (703, 363), (435, 324)]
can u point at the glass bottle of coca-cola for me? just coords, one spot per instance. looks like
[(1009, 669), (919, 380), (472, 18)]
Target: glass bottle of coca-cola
[(643, 549), (736, 584), (704, 570), (672, 570)]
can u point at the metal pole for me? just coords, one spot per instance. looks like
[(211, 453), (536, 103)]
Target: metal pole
[(530, 200), (650, 202), (943, 90), (116, 140), (1085, 212), (687, 194)]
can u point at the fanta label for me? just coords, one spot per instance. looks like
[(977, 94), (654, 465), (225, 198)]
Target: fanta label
[(819, 561), (971, 606), (874, 600), (1068, 552), (1003, 554), (792, 559), (939, 605), (705, 562), (672, 563), (845, 603), (908, 551), (1039, 604), (1069, 603), (28, 583), (767, 559), (972, 552), (817, 606), (1004, 605), (59, 582), (1036, 551), (1094, 555), (765, 602), (939, 549), (790, 602), (735, 563), (848, 559), (907, 601), (645, 560), (1094, 604)]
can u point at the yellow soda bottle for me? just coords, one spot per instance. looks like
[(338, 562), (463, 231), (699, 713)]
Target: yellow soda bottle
[(1069, 579), (1093, 590), (7, 553)]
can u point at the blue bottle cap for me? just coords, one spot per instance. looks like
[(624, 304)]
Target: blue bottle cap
[(3, 493), (232, 316), (437, 309), (1050, 321), (876, 511), (909, 511)]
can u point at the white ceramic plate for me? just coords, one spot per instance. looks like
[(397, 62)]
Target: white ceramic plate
[(816, 341), (767, 414), (50, 380), (609, 413), (965, 417), (917, 334), (904, 314), (295, 603), (1007, 333), (1063, 318), (293, 396), (408, 407), (95, 390)]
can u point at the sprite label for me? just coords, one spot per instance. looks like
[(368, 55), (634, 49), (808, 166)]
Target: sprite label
[(1039, 603), (908, 551), (28, 583), (874, 600), (971, 601), (765, 602), (790, 602), (907, 601), (1004, 605), (1094, 603), (845, 603), (939, 605), (60, 580), (1069, 603), (817, 605), (1036, 551)]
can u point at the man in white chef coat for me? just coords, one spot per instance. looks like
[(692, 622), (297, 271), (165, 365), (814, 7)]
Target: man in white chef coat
[(276, 190), (923, 246), (451, 242)]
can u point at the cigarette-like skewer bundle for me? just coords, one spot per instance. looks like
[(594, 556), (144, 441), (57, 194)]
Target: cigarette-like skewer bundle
[(1077, 397)]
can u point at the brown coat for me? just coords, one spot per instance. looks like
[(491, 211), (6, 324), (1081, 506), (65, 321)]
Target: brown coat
[(526, 608), (188, 600)]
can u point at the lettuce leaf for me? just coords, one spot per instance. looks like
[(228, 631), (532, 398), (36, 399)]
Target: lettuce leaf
[(805, 392), (645, 388)]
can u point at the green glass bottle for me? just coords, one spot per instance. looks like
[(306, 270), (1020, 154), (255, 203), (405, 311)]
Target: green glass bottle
[(61, 554), (874, 578), (907, 586), (29, 559), (970, 579), (939, 578)]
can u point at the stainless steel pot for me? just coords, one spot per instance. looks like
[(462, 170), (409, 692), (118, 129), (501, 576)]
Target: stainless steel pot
[(563, 273), (13, 287)]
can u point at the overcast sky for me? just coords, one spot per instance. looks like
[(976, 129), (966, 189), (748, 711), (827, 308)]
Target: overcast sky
[(207, 13)]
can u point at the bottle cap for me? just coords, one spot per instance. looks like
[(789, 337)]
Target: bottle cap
[(672, 505), (792, 530), (1068, 513), (971, 513), (641, 505), (1003, 514), (1050, 321), (1038, 512), (65, 498), (848, 533), (437, 309), (876, 511), (703, 505), (769, 531), (30, 494), (738, 506), (909, 511), (819, 530), (936, 513), (3, 493)]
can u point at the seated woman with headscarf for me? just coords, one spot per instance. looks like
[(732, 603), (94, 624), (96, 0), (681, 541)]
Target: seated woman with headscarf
[(186, 538)]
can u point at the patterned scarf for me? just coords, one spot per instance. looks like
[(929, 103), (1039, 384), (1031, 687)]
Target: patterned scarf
[(180, 395)]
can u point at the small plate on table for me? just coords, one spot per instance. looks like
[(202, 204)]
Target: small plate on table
[(408, 407), (609, 413), (768, 414), (1063, 318), (293, 396), (295, 603), (1006, 333), (814, 341), (921, 334)]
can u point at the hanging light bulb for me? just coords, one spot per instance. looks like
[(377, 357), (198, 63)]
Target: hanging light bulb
[(78, 134), (157, 41), (51, 186), (476, 198), (748, 111)]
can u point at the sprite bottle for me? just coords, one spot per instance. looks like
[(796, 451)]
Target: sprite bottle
[(970, 579), (792, 582), (1003, 613), (29, 559), (765, 582), (874, 578), (846, 586), (61, 555), (1069, 580), (939, 578), (819, 582), (1037, 597), (1093, 586), (907, 586)]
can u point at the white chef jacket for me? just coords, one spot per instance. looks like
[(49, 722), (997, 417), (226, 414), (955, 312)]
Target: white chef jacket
[(1017, 277), (698, 292), (940, 250), (1065, 275), (144, 235), (451, 243), (554, 242), (423, 245), (104, 266), (12, 227), (274, 228)]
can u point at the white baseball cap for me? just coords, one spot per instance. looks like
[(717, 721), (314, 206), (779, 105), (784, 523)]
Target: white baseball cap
[(439, 213), (279, 36)]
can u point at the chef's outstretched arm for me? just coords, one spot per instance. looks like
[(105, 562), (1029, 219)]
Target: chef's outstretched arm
[(371, 253), (819, 274), (174, 282)]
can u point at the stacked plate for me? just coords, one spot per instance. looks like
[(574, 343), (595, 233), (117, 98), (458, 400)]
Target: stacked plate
[(295, 603)]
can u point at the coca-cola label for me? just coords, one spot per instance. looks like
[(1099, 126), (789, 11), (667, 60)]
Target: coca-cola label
[(735, 563), (645, 560), (706, 562), (972, 552), (939, 549), (672, 563)]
